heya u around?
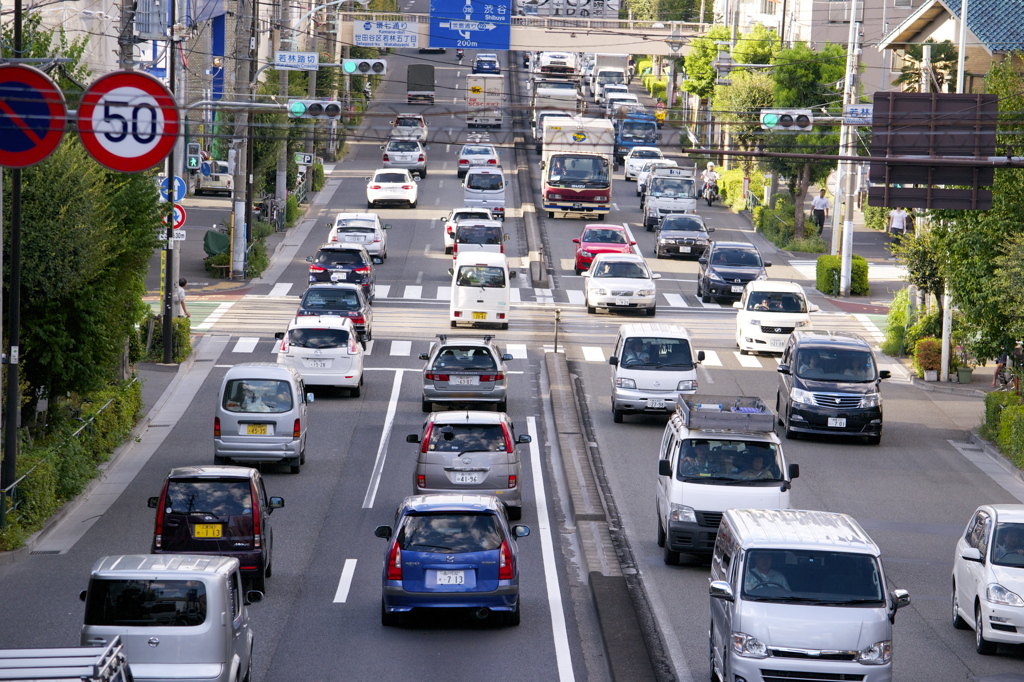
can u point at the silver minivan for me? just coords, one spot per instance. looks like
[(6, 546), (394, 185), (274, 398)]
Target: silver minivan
[(261, 416), (802, 593), (181, 617), (652, 365), (485, 188)]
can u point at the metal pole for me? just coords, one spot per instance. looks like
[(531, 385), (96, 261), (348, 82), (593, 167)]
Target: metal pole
[(962, 50), (282, 157), (168, 323), (849, 97), (243, 70)]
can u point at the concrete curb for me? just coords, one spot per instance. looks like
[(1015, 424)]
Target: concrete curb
[(992, 451), (539, 275)]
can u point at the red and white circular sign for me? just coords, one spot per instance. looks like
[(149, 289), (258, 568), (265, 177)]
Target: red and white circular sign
[(128, 121), (179, 216)]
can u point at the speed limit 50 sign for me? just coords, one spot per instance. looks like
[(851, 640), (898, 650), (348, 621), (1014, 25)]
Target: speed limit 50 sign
[(128, 121)]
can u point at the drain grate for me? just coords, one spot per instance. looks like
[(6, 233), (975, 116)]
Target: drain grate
[(158, 426), (46, 551), (203, 360)]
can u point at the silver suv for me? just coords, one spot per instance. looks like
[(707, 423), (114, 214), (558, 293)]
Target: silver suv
[(465, 370), (405, 153)]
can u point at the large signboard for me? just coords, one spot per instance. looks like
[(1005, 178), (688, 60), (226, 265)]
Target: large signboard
[(396, 34), (583, 9), (476, 24)]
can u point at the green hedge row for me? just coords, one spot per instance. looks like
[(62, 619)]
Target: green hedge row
[(827, 265), (1004, 424)]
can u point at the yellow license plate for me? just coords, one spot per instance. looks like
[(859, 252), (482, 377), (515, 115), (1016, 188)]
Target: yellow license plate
[(256, 429), (208, 530), (479, 316)]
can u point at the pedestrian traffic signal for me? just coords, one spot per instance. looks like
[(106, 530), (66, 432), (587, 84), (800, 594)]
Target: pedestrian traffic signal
[(193, 156), (313, 108), (359, 67), (792, 120)]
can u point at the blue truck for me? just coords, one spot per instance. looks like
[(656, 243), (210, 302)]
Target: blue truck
[(634, 127)]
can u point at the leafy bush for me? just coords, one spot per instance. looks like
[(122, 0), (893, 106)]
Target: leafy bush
[(827, 273), (731, 187), (257, 260), (927, 355), (318, 177), (995, 402), (292, 212), (896, 324), (927, 325), (876, 217), (658, 89), (1011, 433), (219, 259), (181, 342)]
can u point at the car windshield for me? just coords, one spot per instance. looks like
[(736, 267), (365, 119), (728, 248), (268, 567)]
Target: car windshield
[(220, 167), (471, 215), (775, 302), (583, 171), (682, 224), (318, 338), (450, 533), (478, 234), (641, 153), (408, 122), (620, 269), (257, 395), (824, 364), (484, 276), (739, 258), (390, 177), (485, 181), (656, 353), (476, 151), (1008, 545), (606, 77), (343, 299), (467, 438), (672, 187), (338, 257), (403, 146), (145, 603), (604, 236), (557, 85), (475, 358), (228, 497), (717, 460), (648, 167), (812, 577), (639, 129)]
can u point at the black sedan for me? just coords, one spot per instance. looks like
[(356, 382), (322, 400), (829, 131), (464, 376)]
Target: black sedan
[(726, 267)]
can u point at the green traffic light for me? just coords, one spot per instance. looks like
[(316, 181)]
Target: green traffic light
[(771, 120), (349, 66), (297, 108), (193, 162)]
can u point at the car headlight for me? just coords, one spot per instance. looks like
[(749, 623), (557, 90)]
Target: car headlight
[(652, 210), (802, 397), (586, 254), (763, 275), (801, 323), (645, 292), (747, 646), (997, 594), (555, 197), (687, 385), (878, 653), (601, 197), (714, 276), (621, 382), (871, 400), (755, 323), (599, 292), (664, 241), (680, 512)]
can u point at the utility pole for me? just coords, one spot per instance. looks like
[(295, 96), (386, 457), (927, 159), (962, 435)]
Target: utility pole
[(849, 149), (169, 283), (282, 74), (243, 64), (126, 35), (311, 93), (251, 82)]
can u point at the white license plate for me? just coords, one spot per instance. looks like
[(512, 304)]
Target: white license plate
[(838, 422), (654, 403), (777, 343), (466, 381), (317, 364), (622, 301), (737, 290), (684, 249), (338, 276), (451, 577), (470, 477)]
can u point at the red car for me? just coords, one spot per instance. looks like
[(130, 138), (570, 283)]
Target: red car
[(601, 239)]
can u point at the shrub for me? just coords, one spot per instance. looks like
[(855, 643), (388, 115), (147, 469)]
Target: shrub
[(219, 259), (292, 211), (318, 177), (731, 187), (827, 273), (927, 355), (876, 217), (813, 244), (995, 403), (181, 342), (927, 325), (257, 260), (1011, 433), (896, 324), (658, 89)]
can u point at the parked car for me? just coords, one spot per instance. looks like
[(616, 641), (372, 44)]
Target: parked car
[(410, 154), (599, 238), (620, 281), (726, 267), (409, 126), (361, 228), (457, 214), (345, 299), (476, 154), (468, 451), (636, 158), (682, 234), (324, 350), (395, 186), (220, 510), (451, 551), (768, 312), (465, 370), (343, 262)]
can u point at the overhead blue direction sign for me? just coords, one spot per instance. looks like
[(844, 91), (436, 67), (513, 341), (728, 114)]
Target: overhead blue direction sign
[(474, 24)]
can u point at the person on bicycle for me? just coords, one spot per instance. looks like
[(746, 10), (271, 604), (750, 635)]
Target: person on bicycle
[(1000, 364), (710, 178)]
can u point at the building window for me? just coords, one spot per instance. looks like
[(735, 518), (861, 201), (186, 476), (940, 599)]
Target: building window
[(769, 7), (902, 3)]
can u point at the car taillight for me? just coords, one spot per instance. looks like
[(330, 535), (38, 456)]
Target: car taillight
[(362, 269), (421, 481), (449, 230), (159, 532), (426, 436), (317, 268), (297, 429), (374, 186), (216, 427), (386, 159), (492, 162), (376, 238), (508, 438), (463, 162), (257, 538), (501, 316), (457, 313), (506, 568), (353, 345), (512, 481), (455, 249), (395, 562), (357, 318), (284, 345), (492, 377), (421, 159), (438, 377), (406, 186)]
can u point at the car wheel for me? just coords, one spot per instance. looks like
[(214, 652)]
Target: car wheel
[(649, 226), (448, 250), (502, 406), (302, 460), (671, 558), (428, 406), (700, 292), (617, 415), (638, 191), (454, 324), (512, 617), (652, 311), (591, 310), (661, 532), (981, 645), (248, 670), (461, 174), (778, 408), (295, 465), (412, 204), (389, 620), (790, 433), (958, 621), (259, 582), (657, 252), (423, 173), (551, 214), (356, 391)]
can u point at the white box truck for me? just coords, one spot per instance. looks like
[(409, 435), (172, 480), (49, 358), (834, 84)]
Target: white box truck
[(608, 68), (483, 100)]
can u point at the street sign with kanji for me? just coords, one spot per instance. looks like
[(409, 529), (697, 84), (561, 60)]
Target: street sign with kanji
[(32, 116), (128, 121)]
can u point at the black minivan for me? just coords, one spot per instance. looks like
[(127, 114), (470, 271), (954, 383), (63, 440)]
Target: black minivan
[(829, 384)]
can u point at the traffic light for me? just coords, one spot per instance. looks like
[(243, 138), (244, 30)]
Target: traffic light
[(791, 120), (313, 108), (359, 67), (194, 156)]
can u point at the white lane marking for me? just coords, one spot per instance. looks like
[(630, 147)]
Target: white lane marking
[(280, 289), (711, 359), (444, 294), (544, 295), (413, 292), (514, 295), (401, 347), (577, 297), (246, 344), (346, 581), (593, 354), (440, 183), (708, 305), (615, 206), (382, 290), (382, 449), (447, 148), (426, 249), (214, 316), (516, 350), (419, 277), (223, 365), (675, 300), (563, 654), (369, 349), (746, 360), (437, 201)]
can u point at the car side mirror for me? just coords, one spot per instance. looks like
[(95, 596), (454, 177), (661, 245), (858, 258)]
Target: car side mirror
[(83, 594), (329, 226), (382, 146), (812, 308), (737, 305), (412, 438), (506, 357), (575, 241), (586, 273), (783, 369), (153, 502), (451, 271), (794, 471), (310, 398), (720, 589), (377, 261), (711, 229), (700, 356), (971, 554), (884, 374), (367, 178), (506, 183), (383, 532), (632, 243), (512, 274), (664, 467), (702, 261), (655, 276), (767, 263), (253, 596), (279, 336), (424, 356), (520, 531), (276, 503), (416, 178), (506, 236), (613, 361), (309, 259), (387, 226), (900, 598), (525, 438)]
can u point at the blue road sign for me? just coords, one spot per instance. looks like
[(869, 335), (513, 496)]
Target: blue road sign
[(179, 188), (205, 168), (475, 24), (32, 116)]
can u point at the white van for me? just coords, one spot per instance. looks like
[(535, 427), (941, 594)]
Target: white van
[(801, 593), (481, 289), (485, 188), (653, 364)]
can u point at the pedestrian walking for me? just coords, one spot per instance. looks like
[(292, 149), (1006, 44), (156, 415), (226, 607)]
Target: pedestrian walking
[(820, 208), (898, 222), (179, 295)]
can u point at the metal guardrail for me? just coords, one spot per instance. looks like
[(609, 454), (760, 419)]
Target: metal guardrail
[(11, 492), (752, 200)]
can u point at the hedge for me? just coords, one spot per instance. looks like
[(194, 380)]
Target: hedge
[(995, 404), (181, 334), (1011, 433), (731, 187), (827, 265)]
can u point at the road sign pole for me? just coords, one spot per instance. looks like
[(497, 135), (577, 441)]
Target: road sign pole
[(168, 322)]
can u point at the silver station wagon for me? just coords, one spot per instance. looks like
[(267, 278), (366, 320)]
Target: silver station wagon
[(465, 370)]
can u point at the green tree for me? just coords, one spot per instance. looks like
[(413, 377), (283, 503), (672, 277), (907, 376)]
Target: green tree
[(737, 105), (944, 62), (760, 46), (700, 75), (683, 10)]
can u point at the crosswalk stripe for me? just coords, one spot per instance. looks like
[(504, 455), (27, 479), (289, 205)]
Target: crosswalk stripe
[(544, 295), (746, 360), (593, 354), (444, 294), (369, 348), (514, 295), (280, 289), (413, 291), (214, 316), (709, 305), (401, 347), (516, 350), (675, 300), (246, 344), (711, 359), (382, 290), (576, 297)]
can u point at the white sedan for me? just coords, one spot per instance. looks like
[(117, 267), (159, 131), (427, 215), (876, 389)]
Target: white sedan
[(325, 350), (637, 157), (392, 186), (477, 154), (647, 169), (620, 281), (361, 228)]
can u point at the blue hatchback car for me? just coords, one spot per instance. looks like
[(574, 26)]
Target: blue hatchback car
[(486, 65), (451, 551)]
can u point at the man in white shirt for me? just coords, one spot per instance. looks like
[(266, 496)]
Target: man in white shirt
[(820, 208), (898, 221), (709, 176)]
